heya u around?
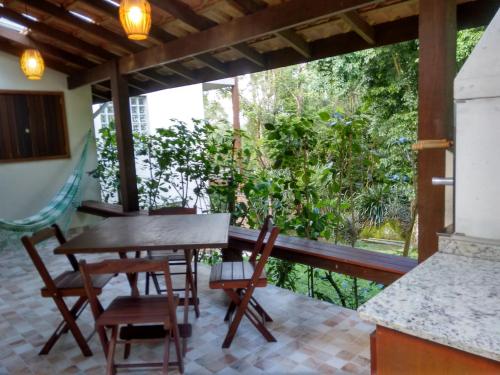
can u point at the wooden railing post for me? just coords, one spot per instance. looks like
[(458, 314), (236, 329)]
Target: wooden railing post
[(437, 65), (124, 140)]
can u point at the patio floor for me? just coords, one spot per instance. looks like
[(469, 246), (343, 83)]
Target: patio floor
[(314, 337)]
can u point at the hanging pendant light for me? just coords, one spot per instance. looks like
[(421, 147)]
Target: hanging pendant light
[(32, 64), (135, 17)]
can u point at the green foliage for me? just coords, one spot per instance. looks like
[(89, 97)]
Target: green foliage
[(282, 273), (467, 40), (374, 205), (178, 166), (389, 230), (225, 177), (107, 170), (184, 165), (326, 151)]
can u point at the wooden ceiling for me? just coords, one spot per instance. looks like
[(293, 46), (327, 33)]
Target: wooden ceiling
[(195, 41)]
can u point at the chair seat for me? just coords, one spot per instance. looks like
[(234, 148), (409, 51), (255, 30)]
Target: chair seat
[(137, 310), (234, 275), (70, 283)]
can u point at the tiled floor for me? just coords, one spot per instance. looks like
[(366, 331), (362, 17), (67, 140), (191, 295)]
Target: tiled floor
[(313, 337)]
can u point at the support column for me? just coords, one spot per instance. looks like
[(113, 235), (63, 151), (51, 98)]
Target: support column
[(437, 65), (235, 98), (124, 140)]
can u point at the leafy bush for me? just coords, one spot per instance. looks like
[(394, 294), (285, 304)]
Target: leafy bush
[(324, 176), (317, 172)]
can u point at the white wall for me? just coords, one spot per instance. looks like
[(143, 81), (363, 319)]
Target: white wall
[(477, 96), (478, 168), (26, 187), (182, 103)]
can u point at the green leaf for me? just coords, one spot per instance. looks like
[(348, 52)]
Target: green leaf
[(325, 116)]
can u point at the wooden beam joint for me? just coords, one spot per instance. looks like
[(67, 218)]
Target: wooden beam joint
[(359, 26)]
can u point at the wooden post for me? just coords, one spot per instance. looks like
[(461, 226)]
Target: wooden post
[(437, 65), (235, 97), (124, 140)]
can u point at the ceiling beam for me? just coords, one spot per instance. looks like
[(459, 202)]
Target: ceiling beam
[(56, 34), (270, 20), (183, 12), (295, 41), (156, 77), (97, 74), (266, 21), (133, 85), (113, 12), (104, 89), (249, 6), (388, 33), (250, 54), (212, 63), (290, 37), (179, 69), (100, 32), (359, 26), (186, 14), (147, 87), (65, 16), (472, 14), (98, 97), (27, 42)]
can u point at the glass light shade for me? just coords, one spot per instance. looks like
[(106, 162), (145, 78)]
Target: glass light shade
[(135, 17), (32, 64)]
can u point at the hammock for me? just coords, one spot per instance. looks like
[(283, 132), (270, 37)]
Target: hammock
[(59, 204)]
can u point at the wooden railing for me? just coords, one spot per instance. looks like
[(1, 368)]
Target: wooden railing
[(370, 265), (365, 264), (105, 209)]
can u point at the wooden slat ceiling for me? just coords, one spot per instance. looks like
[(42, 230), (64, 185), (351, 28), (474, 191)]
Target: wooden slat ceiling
[(71, 44)]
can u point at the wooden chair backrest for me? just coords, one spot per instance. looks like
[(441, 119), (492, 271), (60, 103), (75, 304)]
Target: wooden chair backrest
[(266, 252), (266, 227), (128, 266), (173, 211), (30, 243)]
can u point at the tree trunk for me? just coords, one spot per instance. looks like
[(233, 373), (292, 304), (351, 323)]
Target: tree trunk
[(406, 249), (235, 96)]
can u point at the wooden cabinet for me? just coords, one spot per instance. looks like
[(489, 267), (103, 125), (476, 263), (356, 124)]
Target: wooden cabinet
[(395, 353)]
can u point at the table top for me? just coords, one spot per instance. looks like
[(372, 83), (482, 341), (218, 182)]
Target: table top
[(123, 234)]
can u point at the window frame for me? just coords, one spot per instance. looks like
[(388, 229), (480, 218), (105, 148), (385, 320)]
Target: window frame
[(66, 146)]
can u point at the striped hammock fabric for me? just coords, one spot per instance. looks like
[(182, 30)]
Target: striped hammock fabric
[(59, 204)]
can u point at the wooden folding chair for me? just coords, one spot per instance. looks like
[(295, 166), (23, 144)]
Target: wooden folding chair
[(239, 280), (67, 284), (135, 319), (177, 258)]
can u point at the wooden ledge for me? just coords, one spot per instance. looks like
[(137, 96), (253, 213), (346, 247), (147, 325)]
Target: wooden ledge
[(106, 209), (370, 265)]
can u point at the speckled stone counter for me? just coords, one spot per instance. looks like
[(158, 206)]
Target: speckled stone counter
[(450, 299)]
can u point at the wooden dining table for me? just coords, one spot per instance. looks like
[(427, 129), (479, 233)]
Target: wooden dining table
[(140, 233), (133, 234)]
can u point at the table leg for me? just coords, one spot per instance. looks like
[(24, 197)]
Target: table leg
[(192, 284), (132, 278)]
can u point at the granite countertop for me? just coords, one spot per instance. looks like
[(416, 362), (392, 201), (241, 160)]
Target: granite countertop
[(450, 299)]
